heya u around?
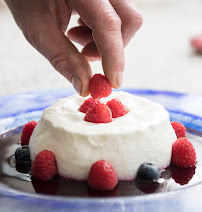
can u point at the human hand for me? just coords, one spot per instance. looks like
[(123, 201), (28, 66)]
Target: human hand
[(109, 26)]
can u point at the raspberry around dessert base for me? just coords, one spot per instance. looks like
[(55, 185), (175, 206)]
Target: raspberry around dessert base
[(172, 178)]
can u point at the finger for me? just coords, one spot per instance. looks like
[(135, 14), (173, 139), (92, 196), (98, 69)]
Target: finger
[(131, 22), (74, 12), (130, 17), (62, 19), (81, 23), (66, 59), (101, 17), (90, 52), (81, 35)]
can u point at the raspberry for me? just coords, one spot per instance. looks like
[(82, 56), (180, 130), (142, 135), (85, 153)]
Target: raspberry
[(100, 113), (196, 43), (46, 187), (102, 176), (100, 86), (183, 153), (44, 166), (117, 108), (179, 128), (88, 104), (98, 193), (182, 175), (27, 132)]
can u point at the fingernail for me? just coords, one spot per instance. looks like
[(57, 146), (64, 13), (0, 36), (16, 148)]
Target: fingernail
[(119, 79), (76, 82)]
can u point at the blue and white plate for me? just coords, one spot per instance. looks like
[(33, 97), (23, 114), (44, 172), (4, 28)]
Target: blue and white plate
[(18, 109)]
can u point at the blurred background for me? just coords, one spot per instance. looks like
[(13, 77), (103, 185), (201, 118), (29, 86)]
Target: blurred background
[(159, 57)]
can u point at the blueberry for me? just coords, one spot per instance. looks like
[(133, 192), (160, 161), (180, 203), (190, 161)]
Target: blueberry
[(148, 172), (22, 154), (23, 167)]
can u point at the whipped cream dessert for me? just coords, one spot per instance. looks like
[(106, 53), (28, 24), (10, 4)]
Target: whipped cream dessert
[(143, 135)]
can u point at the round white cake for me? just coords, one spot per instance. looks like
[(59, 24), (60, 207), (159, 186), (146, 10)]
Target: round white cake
[(144, 134)]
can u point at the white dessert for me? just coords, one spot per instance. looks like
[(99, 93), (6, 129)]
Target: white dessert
[(144, 134)]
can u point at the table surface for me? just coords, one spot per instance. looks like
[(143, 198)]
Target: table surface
[(159, 56)]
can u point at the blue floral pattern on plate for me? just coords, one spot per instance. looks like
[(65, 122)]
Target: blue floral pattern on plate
[(16, 110)]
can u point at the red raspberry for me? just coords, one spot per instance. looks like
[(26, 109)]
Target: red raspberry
[(196, 43), (88, 104), (98, 193), (182, 175), (46, 187), (179, 128), (100, 86), (100, 113), (102, 176), (117, 108), (44, 166), (27, 132), (183, 153)]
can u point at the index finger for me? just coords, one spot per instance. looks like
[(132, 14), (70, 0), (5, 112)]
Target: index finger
[(101, 17)]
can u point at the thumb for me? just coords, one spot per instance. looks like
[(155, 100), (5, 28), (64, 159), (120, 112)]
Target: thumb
[(50, 41)]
